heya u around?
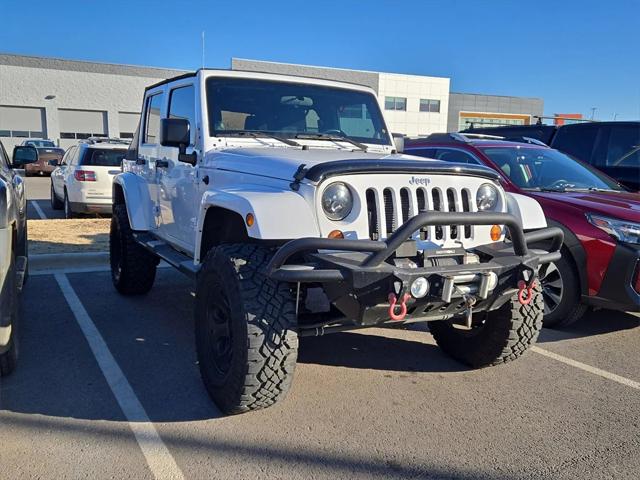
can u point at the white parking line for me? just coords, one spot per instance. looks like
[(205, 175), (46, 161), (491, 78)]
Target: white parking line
[(588, 368), (38, 209), (158, 457)]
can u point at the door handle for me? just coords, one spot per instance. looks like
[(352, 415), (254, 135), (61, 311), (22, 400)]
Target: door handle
[(162, 163)]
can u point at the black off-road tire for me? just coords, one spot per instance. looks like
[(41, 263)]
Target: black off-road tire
[(504, 335), (133, 268), (9, 354), (570, 309), (56, 203), (246, 331)]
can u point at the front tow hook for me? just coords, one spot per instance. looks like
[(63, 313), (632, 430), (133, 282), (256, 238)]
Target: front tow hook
[(393, 304)]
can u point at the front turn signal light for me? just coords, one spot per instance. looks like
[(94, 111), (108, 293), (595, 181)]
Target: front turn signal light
[(250, 219), (496, 233), (335, 234)]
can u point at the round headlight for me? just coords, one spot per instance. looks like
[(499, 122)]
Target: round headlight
[(487, 197), (337, 201)]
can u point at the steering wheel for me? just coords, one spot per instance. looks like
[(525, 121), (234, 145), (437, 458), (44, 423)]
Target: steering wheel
[(559, 183)]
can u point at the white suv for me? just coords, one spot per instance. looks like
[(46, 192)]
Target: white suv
[(82, 182), (285, 200)]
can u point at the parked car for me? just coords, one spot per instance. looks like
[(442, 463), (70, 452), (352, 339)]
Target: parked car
[(611, 147), (13, 251), (600, 265), (46, 158), (82, 183), (281, 196)]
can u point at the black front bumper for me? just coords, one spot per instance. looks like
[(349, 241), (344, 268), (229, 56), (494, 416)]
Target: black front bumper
[(358, 276), (616, 291)]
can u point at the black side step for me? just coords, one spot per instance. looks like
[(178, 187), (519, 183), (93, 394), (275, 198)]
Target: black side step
[(166, 252), (21, 271)]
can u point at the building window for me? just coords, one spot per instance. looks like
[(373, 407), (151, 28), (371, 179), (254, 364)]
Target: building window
[(395, 103), (80, 135), (21, 134), (427, 105)]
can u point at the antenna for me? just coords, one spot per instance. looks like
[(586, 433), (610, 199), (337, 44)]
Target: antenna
[(203, 49)]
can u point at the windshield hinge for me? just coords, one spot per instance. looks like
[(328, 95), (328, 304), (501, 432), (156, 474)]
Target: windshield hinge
[(298, 177)]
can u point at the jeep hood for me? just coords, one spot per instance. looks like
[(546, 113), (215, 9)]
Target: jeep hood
[(283, 163)]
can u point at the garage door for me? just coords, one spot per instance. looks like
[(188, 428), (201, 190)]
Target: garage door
[(128, 123), (21, 122), (81, 124)]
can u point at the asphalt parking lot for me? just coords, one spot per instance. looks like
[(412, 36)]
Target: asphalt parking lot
[(108, 387), (39, 204)]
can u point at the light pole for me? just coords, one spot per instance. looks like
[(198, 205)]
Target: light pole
[(593, 112)]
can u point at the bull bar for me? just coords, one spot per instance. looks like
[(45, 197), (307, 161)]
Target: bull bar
[(380, 251)]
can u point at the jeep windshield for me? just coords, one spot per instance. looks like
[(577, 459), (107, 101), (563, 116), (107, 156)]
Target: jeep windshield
[(546, 169), (293, 110)]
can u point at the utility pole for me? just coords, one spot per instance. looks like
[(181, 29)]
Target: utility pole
[(593, 112)]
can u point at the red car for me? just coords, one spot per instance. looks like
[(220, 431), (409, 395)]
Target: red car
[(600, 218)]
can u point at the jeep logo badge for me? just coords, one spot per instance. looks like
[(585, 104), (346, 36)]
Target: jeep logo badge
[(419, 181)]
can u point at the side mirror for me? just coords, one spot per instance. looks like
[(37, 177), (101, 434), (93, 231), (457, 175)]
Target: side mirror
[(176, 132), (24, 155), (398, 140)]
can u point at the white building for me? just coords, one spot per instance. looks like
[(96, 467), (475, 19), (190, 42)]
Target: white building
[(69, 100), (413, 104)]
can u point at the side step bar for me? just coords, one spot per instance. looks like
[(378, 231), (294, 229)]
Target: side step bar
[(166, 252), (21, 271)]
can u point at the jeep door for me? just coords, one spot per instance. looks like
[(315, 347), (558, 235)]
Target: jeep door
[(148, 149), (177, 179)]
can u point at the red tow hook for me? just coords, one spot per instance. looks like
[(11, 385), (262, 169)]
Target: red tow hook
[(522, 288), (393, 303)]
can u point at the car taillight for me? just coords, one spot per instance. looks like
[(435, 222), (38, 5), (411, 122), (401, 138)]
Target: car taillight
[(636, 281), (84, 176)]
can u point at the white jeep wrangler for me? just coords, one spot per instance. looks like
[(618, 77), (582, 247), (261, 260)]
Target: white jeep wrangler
[(285, 200)]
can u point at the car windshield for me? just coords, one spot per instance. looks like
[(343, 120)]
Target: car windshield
[(41, 143), (238, 106), (103, 158), (547, 169)]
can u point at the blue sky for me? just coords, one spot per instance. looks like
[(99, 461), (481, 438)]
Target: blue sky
[(574, 54)]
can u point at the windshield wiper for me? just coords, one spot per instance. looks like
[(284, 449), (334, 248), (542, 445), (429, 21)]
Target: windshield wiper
[(333, 138), (260, 134)]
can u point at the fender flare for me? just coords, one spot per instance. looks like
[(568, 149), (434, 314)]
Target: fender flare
[(131, 190), (527, 209), (578, 254), (278, 214)]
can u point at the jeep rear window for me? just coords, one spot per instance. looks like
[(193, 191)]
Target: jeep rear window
[(102, 158), (286, 109)]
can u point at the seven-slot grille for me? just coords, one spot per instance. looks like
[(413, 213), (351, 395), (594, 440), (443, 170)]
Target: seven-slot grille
[(388, 208)]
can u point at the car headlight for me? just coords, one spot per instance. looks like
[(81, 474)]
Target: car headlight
[(487, 197), (337, 201), (622, 230)]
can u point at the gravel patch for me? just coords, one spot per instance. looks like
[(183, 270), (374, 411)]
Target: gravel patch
[(69, 236)]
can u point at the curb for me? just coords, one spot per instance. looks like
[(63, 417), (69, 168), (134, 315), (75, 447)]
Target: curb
[(60, 262)]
